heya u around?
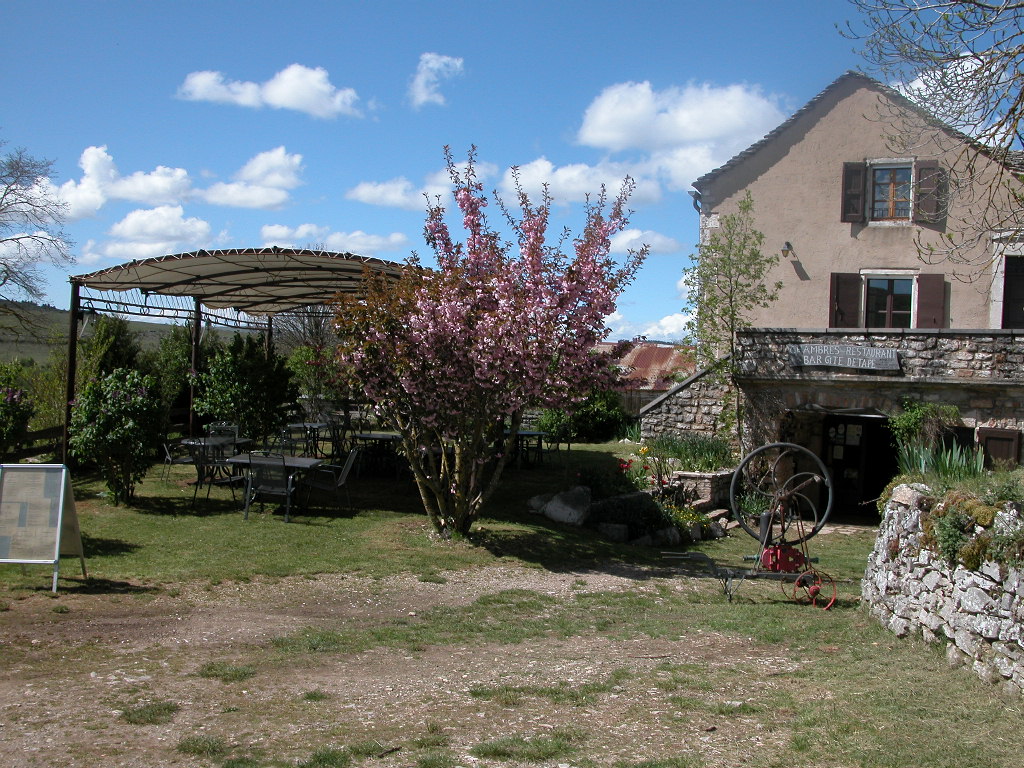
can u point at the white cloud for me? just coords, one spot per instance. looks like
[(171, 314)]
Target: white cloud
[(402, 193), (635, 116), (146, 233), (433, 67), (357, 242), (101, 181), (572, 183), (634, 239), (263, 182), (396, 193), (669, 328), (303, 89)]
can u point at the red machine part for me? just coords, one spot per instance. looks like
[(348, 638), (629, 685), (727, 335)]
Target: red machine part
[(782, 558)]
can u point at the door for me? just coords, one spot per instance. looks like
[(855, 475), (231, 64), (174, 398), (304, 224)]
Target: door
[(859, 453), (1013, 292)]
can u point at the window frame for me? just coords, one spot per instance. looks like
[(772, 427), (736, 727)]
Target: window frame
[(890, 163), (866, 275)]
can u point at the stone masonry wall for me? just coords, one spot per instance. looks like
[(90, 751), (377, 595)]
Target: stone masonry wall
[(978, 614), (695, 406), (989, 355)]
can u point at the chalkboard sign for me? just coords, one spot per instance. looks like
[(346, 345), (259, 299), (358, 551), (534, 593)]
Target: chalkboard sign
[(858, 356), (38, 521)]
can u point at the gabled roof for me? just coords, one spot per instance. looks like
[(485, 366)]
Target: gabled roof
[(1011, 159)]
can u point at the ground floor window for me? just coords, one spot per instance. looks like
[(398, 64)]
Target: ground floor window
[(887, 298), (888, 302)]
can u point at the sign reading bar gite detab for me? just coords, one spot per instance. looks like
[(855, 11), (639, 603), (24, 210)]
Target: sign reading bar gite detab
[(844, 356)]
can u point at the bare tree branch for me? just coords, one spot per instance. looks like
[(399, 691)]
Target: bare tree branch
[(960, 65), (31, 227)]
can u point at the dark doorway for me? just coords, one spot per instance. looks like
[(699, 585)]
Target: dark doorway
[(1013, 292), (859, 453)]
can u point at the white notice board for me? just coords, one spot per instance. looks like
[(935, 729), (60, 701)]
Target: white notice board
[(38, 522)]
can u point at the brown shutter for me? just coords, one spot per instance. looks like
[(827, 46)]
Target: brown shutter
[(844, 300), (928, 202), (854, 191), (931, 301)]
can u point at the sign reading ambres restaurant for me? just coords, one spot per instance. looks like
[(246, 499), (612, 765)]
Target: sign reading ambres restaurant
[(844, 356)]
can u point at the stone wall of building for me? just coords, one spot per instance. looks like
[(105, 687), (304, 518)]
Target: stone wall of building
[(967, 355), (911, 590), (694, 406)]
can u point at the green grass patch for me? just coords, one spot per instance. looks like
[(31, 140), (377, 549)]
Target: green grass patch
[(203, 745), (152, 713), (561, 743), (225, 672), (560, 693)]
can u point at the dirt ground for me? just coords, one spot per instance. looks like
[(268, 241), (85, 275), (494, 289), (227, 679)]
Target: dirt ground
[(66, 675)]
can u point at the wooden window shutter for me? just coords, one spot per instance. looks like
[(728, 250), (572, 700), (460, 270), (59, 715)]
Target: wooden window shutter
[(999, 445), (928, 203), (844, 300), (931, 301), (854, 192)]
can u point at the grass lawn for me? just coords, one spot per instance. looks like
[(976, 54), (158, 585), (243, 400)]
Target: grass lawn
[(662, 671)]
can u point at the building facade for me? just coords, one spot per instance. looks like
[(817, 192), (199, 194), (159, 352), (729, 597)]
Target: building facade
[(861, 195)]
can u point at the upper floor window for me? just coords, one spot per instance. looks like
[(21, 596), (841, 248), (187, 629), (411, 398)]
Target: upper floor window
[(893, 191)]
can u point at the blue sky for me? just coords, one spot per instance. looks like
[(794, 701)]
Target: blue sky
[(175, 126)]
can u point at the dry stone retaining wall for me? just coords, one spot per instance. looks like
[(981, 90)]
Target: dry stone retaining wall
[(911, 590)]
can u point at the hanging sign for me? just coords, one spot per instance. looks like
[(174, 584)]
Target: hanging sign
[(858, 356)]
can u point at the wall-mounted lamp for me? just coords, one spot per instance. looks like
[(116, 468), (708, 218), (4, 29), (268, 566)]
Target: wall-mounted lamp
[(787, 249)]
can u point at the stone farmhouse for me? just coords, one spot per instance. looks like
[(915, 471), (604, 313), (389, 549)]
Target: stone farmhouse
[(859, 193)]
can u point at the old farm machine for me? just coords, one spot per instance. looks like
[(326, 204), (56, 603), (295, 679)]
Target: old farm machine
[(781, 494)]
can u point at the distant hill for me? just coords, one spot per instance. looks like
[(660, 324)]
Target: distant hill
[(47, 329)]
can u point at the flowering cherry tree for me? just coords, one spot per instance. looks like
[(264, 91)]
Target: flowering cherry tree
[(452, 356)]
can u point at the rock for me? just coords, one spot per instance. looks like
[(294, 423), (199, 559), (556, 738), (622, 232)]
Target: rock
[(537, 503), (571, 507), (668, 537)]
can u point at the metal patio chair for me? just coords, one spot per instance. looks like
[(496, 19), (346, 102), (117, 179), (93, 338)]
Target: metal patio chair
[(268, 478)]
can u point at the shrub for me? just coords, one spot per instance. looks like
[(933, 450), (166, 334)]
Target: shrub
[(16, 409), (247, 386), (113, 423), (598, 418)]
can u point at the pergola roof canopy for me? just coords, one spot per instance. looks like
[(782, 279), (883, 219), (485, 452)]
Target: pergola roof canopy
[(255, 281)]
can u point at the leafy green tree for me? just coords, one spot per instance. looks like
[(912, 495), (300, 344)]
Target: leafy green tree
[(247, 386), (114, 421), (171, 365), (110, 344), (728, 280)]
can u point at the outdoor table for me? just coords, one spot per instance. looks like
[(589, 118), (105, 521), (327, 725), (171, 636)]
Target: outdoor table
[(381, 454), (295, 465), (216, 443), (311, 431), (529, 445)]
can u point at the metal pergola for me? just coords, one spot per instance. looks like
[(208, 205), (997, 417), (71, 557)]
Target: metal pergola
[(239, 288)]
